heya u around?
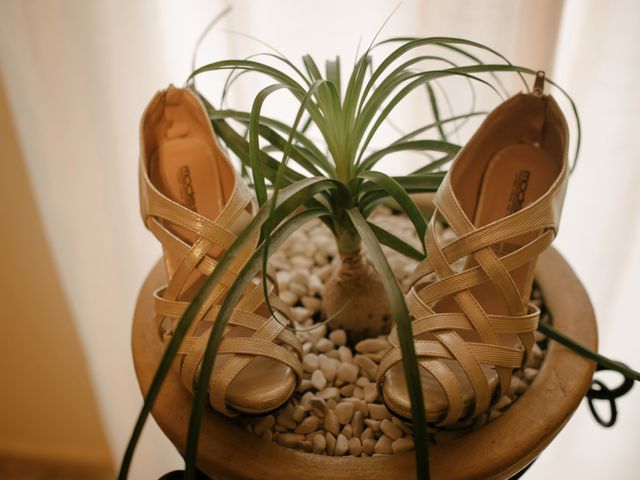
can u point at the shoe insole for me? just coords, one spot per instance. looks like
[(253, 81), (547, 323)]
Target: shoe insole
[(515, 176), (187, 170)]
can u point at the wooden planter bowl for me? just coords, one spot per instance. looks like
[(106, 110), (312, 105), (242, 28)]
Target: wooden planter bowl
[(498, 450)]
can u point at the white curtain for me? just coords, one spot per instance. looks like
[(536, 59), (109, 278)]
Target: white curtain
[(78, 75)]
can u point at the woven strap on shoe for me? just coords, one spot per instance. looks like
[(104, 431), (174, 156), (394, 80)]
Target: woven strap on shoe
[(267, 336), (445, 343)]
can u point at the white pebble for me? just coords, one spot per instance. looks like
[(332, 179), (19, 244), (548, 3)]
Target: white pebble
[(319, 443), (355, 446), (347, 390), (324, 345), (291, 440), (344, 411), (298, 413), (308, 425), (362, 381), (342, 446), (285, 417), (324, 272), (319, 406), (288, 297), (348, 372), (344, 354), (378, 412), (517, 386), (318, 332), (339, 337), (310, 362), (316, 287), (370, 392), (367, 366), (530, 374), (301, 314), (383, 445), (390, 429), (504, 402), (370, 345), (318, 380), (367, 433), (305, 385), (299, 276), (298, 289), (329, 367), (264, 424), (329, 392), (331, 423), (368, 446), (357, 422), (331, 443), (401, 445), (312, 303)]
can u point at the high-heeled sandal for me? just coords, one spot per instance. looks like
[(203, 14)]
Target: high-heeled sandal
[(195, 203), (502, 197)]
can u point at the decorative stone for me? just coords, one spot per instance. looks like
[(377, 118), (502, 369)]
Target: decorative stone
[(324, 345), (374, 425), (319, 406), (530, 374), (318, 443), (329, 392), (370, 345), (264, 424), (378, 412), (357, 422), (367, 366), (348, 372), (368, 446), (342, 446), (345, 355), (331, 423), (344, 411), (298, 413), (288, 297), (383, 445), (310, 362), (401, 445), (291, 440), (312, 303), (329, 367), (390, 429), (367, 433), (347, 390), (370, 392), (318, 380), (355, 446), (338, 337), (308, 425), (331, 443)]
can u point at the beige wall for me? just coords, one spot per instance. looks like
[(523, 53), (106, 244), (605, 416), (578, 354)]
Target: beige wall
[(48, 414)]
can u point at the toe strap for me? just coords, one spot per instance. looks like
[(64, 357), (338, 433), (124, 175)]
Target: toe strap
[(446, 344)]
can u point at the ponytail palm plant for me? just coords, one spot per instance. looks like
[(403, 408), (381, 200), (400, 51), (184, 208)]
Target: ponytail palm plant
[(322, 165)]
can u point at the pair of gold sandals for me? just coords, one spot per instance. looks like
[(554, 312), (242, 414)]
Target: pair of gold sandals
[(502, 197)]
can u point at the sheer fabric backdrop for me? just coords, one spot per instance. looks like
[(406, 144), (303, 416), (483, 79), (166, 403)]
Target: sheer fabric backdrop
[(78, 75)]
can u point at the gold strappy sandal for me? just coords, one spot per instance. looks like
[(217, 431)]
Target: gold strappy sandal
[(195, 204), (502, 198)]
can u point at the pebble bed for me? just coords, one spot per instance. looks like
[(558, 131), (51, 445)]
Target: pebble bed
[(336, 409)]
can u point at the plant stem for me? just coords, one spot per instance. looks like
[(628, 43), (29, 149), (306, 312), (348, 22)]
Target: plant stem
[(577, 347)]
